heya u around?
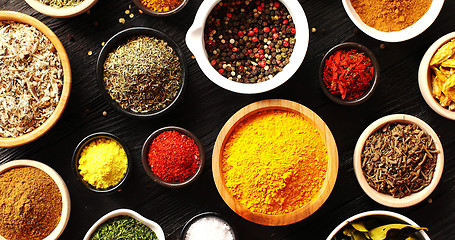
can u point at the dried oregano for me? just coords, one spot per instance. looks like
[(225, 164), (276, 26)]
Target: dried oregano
[(399, 159)]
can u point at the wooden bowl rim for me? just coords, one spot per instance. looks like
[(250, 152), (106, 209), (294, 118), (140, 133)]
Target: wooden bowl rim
[(50, 122), (385, 199), (66, 201), (424, 77), (64, 12), (332, 164)]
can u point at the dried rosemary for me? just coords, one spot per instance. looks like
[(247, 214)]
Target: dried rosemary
[(143, 74), (61, 3), (31, 78), (399, 159)]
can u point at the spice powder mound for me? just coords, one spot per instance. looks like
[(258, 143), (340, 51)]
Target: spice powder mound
[(31, 79), (274, 162), (30, 204), (390, 15)]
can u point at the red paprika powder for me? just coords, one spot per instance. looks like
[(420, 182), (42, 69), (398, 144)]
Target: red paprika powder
[(348, 74), (174, 156)]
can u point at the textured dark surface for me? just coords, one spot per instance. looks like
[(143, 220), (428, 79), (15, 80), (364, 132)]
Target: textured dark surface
[(205, 107)]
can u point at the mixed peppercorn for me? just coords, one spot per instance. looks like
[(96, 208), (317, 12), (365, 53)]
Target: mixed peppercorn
[(249, 41)]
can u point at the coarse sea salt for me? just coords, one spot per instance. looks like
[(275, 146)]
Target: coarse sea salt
[(209, 228)]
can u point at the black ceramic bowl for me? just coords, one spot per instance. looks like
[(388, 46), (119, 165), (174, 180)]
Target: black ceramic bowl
[(77, 153), (159, 14), (374, 81), (199, 216), (121, 37), (146, 165)]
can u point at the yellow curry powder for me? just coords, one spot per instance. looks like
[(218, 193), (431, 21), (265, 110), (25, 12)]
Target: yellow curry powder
[(103, 163), (161, 5), (274, 162)]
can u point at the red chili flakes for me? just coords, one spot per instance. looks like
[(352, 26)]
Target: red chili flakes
[(174, 157), (348, 73)]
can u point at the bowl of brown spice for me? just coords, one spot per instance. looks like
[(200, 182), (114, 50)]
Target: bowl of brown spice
[(61, 8), (398, 160), (41, 205), (249, 46), (32, 96), (142, 72), (393, 21), (436, 76), (161, 8)]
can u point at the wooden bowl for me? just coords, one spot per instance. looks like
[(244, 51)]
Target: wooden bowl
[(374, 82), (384, 216), (302, 212), (64, 12), (66, 202), (38, 132), (77, 155), (385, 199), (130, 213), (425, 74), (146, 165)]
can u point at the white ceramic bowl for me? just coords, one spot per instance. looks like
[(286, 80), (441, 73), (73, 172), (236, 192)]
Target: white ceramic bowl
[(398, 36), (195, 42), (385, 215), (425, 78), (61, 12), (66, 202), (385, 199), (127, 212)]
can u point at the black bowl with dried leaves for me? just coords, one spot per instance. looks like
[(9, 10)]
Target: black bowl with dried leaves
[(142, 72)]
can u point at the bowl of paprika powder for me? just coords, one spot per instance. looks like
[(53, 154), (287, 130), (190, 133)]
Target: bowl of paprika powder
[(349, 73), (173, 157)]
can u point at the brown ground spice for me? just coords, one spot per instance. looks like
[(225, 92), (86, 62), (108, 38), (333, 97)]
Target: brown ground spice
[(390, 15), (30, 204)]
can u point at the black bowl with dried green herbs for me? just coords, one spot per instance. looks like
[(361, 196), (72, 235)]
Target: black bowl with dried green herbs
[(142, 72)]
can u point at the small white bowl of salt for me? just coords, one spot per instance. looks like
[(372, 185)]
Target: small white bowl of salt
[(208, 226)]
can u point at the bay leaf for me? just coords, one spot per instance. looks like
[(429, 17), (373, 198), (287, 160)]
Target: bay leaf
[(380, 233)]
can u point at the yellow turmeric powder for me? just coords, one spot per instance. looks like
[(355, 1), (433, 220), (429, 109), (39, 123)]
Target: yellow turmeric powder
[(161, 5), (103, 163), (274, 162)]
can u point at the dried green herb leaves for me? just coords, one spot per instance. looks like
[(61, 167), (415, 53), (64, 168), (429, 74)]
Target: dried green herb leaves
[(143, 74), (370, 230), (399, 159), (61, 3), (123, 227)]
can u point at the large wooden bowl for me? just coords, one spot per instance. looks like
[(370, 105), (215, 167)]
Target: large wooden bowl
[(307, 209), (33, 135)]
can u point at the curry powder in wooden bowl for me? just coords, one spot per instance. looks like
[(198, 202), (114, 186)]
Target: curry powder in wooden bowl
[(275, 162)]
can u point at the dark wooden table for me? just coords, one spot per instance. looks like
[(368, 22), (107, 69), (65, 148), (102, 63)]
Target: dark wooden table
[(205, 107)]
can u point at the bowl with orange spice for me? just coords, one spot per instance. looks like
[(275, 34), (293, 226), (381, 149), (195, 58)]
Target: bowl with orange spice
[(393, 21), (160, 8), (275, 162)]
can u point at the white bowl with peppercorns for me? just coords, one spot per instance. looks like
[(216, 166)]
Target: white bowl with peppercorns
[(249, 46)]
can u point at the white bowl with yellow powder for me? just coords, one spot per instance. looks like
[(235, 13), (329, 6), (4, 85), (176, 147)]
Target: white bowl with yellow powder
[(101, 162), (275, 162), (388, 22)]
